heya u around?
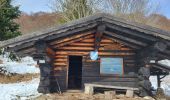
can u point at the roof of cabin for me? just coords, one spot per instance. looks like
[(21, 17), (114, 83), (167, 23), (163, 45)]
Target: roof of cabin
[(89, 22)]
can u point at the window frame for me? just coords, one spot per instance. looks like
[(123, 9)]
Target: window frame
[(113, 73)]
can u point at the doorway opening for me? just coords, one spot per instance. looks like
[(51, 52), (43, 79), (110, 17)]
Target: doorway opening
[(75, 72)]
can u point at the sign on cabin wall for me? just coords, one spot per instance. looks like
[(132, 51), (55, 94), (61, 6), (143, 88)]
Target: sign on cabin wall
[(111, 66)]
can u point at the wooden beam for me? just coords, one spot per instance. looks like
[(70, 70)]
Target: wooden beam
[(70, 32), (98, 36), (62, 40), (131, 45), (72, 41), (50, 51), (44, 51), (132, 32), (111, 53), (126, 39), (152, 50), (161, 66), (75, 48), (80, 44), (21, 47)]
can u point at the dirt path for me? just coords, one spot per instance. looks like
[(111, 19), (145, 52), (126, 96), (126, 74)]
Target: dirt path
[(17, 78), (82, 96)]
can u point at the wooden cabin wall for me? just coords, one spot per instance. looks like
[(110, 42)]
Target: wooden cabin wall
[(91, 69)]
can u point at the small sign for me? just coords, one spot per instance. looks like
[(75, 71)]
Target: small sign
[(111, 66), (152, 61), (42, 61), (93, 55)]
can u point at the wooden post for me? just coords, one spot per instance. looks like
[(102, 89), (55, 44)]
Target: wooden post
[(98, 36), (158, 81), (45, 66)]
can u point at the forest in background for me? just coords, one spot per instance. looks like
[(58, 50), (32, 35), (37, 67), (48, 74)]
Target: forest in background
[(39, 21), (140, 11)]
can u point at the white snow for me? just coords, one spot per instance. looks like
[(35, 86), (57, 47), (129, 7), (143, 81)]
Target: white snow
[(165, 62), (165, 84), (27, 65), (22, 90), (19, 91)]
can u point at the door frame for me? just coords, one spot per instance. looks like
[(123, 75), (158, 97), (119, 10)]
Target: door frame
[(68, 68)]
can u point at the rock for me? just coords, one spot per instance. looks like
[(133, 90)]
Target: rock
[(129, 93), (148, 98), (120, 96), (160, 95), (1, 62), (109, 94)]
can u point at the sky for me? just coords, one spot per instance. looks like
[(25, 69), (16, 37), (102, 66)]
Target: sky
[(32, 6)]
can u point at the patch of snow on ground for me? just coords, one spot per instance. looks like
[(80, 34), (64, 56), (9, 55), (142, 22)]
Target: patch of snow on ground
[(27, 65), (165, 62), (19, 91), (165, 84)]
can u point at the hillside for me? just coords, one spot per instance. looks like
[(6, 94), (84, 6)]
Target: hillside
[(41, 20), (36, 21)]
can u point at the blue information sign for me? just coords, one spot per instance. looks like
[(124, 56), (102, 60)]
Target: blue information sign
[(111, 66)]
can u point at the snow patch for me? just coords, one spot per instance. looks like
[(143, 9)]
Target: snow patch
[(165, 84), (27, 65), (165, 62), (19, 91)]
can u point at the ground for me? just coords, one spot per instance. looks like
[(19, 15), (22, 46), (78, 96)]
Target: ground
[(82, 96)]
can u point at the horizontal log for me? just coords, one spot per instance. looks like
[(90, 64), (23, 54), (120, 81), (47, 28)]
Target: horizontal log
[(82, 44), (126, 39), (60, 68), (60, 60), (132, 32), (128, 44), (95, 61), (115, 54), (107, 41), (27, 51), (21, 47), (109, 79), (100, 53), (72, 41), (71, 53), (86, 48), (60, 64), (71, 38), (126, 84), (91, 40), (76, 48), (58, 56)]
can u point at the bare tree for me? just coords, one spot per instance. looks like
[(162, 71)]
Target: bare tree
[(134, 10), (73, 9)]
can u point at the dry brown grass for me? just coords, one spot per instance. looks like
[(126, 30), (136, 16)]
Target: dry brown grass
[(17, 78), (82, 96)]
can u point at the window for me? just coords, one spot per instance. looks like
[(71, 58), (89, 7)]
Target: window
[(111, 66)]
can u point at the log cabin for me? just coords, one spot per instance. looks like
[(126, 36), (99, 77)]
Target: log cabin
[(100, 49)]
